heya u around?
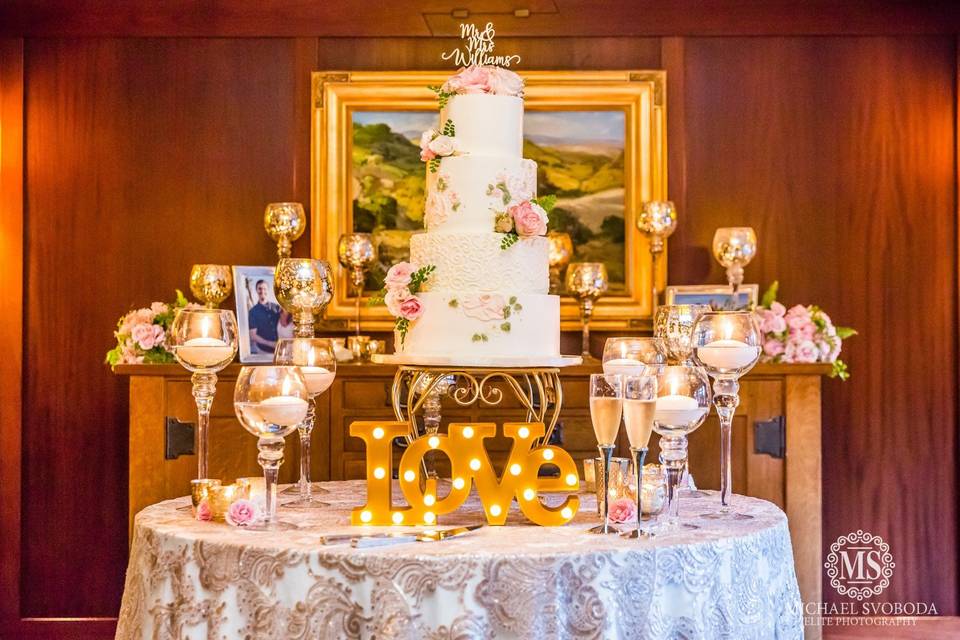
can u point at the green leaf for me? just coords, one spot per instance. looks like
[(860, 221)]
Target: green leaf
[(453, 303), (506, 311), (113, 356), (512, 300), (181, 299), (840, 370), (477, 337), (845, 332), (770, 295), (449, 129), (505, 327), (484, 337), (509, 239), (517, 307), (547, 202)]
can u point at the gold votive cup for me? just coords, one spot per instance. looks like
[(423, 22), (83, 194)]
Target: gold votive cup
[(593, 477), (201, 490), (253, 487), (360, 346)]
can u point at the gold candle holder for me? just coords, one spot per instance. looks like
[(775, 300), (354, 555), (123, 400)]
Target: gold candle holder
[(304, 288), (211, 283), (560, 253), (588, 281), (734, 248), (657, 221), (284, 223), (201, 490), (357, 253)]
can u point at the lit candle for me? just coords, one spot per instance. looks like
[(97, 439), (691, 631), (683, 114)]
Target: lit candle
[(728, 354), (623, 366), (282, 410), (676, 409), (204, 351)]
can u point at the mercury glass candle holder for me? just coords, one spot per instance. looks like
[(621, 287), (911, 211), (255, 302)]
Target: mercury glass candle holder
[(203, 341), (587, 281), (682, 404), (284, 223), (673, 323), (726, 345), (211, 283), (317, 363), (304, 288), (657, 221), (270, 402), (734, 248), (559, 254), (357, 253)]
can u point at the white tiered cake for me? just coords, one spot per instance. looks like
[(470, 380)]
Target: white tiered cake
[(486, 295)]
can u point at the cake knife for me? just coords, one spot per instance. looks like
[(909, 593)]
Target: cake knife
[(387, 539)]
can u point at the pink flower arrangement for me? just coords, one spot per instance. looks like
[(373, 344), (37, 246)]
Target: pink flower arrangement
[(481, 79), (142, 333), (623, 510), (401, 284), (529, 218), (801, 334), (242, 513)]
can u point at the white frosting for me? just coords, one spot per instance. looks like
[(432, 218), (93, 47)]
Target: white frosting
[(523, 268), (444, 329), (467, 181), (486, 124)]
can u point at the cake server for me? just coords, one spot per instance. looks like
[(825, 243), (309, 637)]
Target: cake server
[(387, 539)]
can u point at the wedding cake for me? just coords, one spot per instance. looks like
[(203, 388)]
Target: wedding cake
[(477, 282)]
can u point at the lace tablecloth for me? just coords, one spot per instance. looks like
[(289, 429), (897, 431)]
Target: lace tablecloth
[(189, 579)]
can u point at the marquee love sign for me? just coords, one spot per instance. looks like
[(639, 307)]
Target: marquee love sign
[(469, 464)]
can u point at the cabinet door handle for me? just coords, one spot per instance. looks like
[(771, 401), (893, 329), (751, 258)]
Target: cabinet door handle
[(177, 439)]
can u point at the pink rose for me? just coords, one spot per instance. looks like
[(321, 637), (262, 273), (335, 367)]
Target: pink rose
[(803, 331), (395, 298), (801, 351), (770, 322), (147, 336), (203, 512), (444, 146), (474, 79), (773, 348), (426, 155), (158, 308), (777, 309), (504, 82), (530, 219), (485, 307), (399, 275), (623, 510), (241, 513), (411, 308), (797, 316)]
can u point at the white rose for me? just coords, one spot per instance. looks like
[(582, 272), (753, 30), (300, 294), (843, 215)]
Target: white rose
[(426, 137), (504, 82), (444, 145), (394, 298)]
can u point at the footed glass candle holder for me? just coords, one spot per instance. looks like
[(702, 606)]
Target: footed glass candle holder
[(204, 341), (727, 345), (303, 288)]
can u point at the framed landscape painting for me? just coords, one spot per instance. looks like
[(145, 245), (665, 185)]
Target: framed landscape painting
[(598, 139)]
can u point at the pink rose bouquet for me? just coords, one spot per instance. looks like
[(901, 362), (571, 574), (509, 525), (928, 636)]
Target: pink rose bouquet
[(522, 219), (480, 79), (401, 284), (242, 513), (801, 334), (623, 510), (142, 333)]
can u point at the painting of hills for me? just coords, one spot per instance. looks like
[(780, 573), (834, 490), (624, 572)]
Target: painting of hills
[(579, 156)]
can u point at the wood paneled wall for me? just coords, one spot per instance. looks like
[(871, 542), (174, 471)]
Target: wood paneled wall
[(143, 156)]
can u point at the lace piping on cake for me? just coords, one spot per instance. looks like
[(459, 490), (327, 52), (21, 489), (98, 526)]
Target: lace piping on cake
[(474, 262)]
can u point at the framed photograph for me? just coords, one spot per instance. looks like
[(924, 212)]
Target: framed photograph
[(599, 140), (260, 320), (719, 297)]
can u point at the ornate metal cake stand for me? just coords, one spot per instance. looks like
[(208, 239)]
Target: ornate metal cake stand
[(418, 389)]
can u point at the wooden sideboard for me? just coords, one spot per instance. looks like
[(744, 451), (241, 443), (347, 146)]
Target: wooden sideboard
[(775, 400)]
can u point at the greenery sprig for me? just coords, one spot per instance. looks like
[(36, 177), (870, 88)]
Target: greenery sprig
[(442, 96)]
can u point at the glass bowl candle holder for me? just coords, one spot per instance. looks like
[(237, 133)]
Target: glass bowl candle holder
[(587, 281), (559, 254), (211, 284), (204, 341), (304, 288), (727, 345), (317, 363), (270, 403), (734, 248), (682, 404), (673, 323), (630, 355), (357, 253), (284, 222), (657, 221)]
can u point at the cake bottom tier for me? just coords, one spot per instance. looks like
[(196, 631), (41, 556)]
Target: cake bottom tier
[(488, 324)]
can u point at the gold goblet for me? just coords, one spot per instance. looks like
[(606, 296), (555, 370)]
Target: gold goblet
[(560, 252), (211, 283), (657, 220), (588, 281), (356, 253), (303, 288), (734, 248), (284, 222), (673, 323)]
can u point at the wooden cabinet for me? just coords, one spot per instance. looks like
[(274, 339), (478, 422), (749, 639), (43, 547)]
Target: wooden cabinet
[(780, 400)]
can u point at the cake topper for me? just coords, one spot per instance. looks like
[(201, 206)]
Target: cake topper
[(477, 47)]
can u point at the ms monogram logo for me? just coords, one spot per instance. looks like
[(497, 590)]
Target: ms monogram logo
[(859, 565)]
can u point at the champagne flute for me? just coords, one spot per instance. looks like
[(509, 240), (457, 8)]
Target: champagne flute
[(683, 402), (639, 404), (314, 357), (606, 406), (727, 344), (270, 403)]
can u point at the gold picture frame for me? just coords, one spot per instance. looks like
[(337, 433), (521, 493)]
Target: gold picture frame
[(712, 294), (639, 95)]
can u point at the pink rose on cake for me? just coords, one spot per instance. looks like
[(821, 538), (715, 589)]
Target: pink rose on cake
[(504, 82), (399, 275), (444, 145), (394, 298), (475, 79), (425, 152), (529, 218), (411, 308), (485, 307)]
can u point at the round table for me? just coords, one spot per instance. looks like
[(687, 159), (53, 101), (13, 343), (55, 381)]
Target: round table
[(209, 580)]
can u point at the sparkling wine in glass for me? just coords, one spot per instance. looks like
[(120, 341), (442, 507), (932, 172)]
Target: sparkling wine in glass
[(639, 406), (317, 363), (270, 403), (606, 407)]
